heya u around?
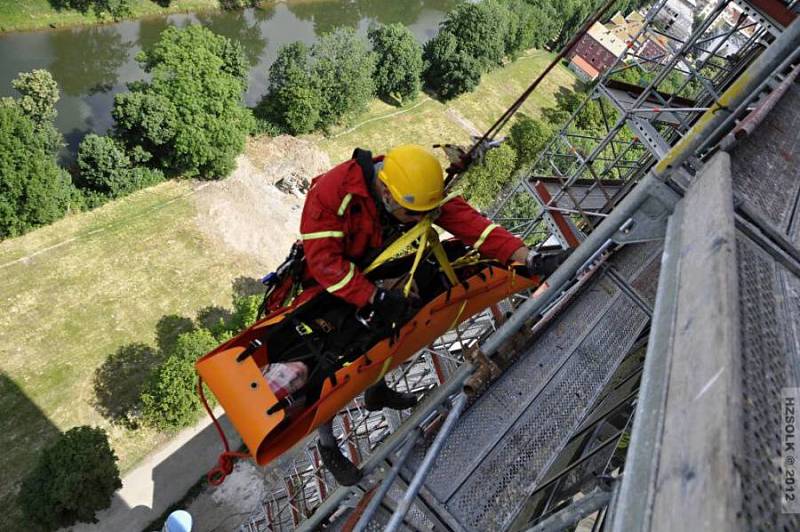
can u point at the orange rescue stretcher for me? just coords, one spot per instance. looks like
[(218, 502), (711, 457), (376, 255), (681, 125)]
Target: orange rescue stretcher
[(454, 287)]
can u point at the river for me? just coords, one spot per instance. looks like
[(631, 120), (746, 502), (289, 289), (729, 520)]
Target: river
[(91, 64)]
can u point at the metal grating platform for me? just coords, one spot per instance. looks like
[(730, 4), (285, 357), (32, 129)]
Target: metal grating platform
[(505, 441), (766, 166), (769, 320)]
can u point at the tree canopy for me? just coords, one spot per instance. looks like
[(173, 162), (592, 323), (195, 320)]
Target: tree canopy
[(72, 480), (34, 190), (483, 182), (169, 399), (398, 64), (319, 87), (528, 136), (342, 69), (480, 29), (449, 71), (106, 170), (190, 115), (293, 101)]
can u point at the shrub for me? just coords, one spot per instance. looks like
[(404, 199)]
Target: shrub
[(169, 400), (73, 479), (116, 8), (190, 116), (106, 171), (448, 70), (398, 65)]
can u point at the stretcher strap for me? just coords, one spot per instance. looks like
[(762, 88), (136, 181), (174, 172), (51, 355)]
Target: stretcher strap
[(226, 459)]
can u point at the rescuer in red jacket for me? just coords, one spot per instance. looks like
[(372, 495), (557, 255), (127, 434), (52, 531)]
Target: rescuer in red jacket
[(359, 207)]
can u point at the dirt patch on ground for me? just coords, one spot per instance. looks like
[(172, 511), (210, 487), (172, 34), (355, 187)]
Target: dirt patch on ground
[(227, 506), (463, 122), (256, 210)]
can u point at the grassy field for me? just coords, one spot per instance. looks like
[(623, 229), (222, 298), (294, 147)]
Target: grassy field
[(23, 15), (427, 121), (76, 291)]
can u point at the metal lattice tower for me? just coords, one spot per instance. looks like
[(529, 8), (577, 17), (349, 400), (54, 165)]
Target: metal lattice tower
[(566, 432)]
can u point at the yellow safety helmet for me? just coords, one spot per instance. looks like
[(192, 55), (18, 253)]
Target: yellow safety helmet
[(414, 177)]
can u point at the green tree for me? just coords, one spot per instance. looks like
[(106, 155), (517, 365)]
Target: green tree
[(106, 171), (482, 183), (245, 310), (115, 8), (546, 19), (528, 136), (480, 29), (238, 4), (448, 70), (293, 101), (39, 95), (398, 66), (34, 190), (342, 69), (190, 115), (72, 480), (521, 32), (169, 399)]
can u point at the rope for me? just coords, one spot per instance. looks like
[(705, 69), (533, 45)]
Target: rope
[(224, 467)]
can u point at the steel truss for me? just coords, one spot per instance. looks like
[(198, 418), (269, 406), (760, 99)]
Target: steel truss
[(639, 121), (588, 173)]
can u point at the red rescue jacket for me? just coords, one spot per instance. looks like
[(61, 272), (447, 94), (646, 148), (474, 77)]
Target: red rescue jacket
[(340, 226)]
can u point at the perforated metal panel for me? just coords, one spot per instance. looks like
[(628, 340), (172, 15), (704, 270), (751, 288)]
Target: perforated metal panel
[(491, 496), (489, 464), (487, 421), (766, 165), (769, 362)]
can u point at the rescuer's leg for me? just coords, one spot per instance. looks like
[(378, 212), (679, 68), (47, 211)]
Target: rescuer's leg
[(342, 469), (379, 396)]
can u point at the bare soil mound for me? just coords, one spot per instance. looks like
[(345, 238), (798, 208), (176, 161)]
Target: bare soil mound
[(256, 210)]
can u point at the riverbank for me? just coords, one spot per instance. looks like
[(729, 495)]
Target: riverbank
[(29, 15)]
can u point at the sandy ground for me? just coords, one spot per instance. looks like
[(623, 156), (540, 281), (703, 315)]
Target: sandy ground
[(256, 210)]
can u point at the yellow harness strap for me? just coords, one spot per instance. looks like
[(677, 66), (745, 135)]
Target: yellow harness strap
[(426, 238)]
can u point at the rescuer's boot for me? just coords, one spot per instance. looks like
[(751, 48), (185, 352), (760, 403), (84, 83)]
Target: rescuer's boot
[(380, 396), (343, 470)]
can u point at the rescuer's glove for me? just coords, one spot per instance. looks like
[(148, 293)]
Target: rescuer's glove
[(545, 262), (391, 306)]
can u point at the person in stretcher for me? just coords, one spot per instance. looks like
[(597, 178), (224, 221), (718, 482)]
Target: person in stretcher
[(351, 214)]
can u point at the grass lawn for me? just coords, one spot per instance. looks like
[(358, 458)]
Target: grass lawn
[(500, 88), (426, 121), (21, 15), (80, 289), (76, 291)]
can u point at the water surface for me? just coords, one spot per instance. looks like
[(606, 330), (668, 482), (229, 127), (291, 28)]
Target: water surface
[(92, 64)]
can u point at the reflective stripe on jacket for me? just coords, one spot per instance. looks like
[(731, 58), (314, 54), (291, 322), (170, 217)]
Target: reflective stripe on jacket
[(340, 225)]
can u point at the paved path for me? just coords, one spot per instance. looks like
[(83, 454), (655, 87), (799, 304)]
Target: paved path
[(163, 478)]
